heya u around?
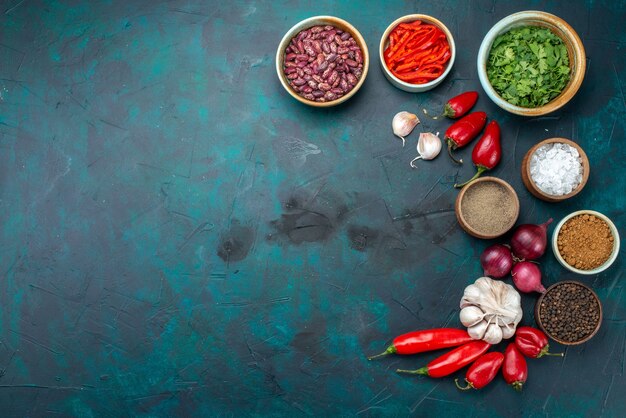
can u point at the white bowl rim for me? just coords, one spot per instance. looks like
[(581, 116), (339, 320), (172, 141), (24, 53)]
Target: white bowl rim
[(427, 19), (485, 48), (289, 34), (607, 263)]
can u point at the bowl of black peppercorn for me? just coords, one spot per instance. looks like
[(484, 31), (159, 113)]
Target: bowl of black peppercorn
[(569, 312)]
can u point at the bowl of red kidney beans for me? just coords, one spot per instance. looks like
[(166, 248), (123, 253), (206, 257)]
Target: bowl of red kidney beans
[(322, 61)]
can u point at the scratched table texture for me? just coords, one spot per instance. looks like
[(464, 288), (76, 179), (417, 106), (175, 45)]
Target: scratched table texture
[(180, 237)]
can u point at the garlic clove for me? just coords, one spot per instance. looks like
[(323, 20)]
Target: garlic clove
[(428, 147), (477, 332), (471, 315), (508, 331), (403, 124), (493, 334)]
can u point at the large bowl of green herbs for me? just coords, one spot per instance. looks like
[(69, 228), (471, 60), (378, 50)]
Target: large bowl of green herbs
[(531, 63)]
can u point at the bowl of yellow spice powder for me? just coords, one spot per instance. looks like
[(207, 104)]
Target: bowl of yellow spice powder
[(585, 242)]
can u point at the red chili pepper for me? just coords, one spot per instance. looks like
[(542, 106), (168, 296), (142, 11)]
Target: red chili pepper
[(458, 105), (533, 343), (514, 368), (426, 340), (482, 371), (487, 151), (452, 361), (464, 130)]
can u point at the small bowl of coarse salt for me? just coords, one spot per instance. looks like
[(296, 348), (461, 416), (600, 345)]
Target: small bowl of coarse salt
[(555, 169)]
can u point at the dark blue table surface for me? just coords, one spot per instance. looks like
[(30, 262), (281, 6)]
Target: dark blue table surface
[(179, 237)]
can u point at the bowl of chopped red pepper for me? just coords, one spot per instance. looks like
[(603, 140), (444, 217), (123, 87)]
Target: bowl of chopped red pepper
[(416, 53)]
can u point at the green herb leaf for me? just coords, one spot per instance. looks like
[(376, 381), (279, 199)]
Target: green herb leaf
[(528, 66)]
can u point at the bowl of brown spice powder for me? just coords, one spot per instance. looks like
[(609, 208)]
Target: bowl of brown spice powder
[(487, 208), (585, 242)]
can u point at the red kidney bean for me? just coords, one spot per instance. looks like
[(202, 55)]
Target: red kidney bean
[(329, 70), (322, 86), (358, 57), (323, 63), (334, 76)]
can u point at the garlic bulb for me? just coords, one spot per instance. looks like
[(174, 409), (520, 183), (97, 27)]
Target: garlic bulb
[(403, 124), (428, 147), (491, 310)]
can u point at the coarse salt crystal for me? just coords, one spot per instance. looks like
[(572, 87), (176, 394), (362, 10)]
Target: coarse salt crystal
[(556, 168)]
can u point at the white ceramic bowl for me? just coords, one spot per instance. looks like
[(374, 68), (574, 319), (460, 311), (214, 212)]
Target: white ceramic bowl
[(572, 42), (403, 85), (607, 263), (305, 24)]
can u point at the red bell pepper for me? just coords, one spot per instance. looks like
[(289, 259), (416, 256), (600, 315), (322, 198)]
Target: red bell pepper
[(487, 151), (533, 343), (514, 368), (482, 371), (463, 131)]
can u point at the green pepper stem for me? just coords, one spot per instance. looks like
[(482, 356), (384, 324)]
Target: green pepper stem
[(450, 143), (423, 371), (481, 170), (390, 350), (545, 352), (468, 387), (517, 385)]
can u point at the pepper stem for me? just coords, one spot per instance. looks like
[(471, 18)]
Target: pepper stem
[(481, 170), (468, 387), (390, 350), (423, 371), (517, 385), (450, 143), (545, 352)]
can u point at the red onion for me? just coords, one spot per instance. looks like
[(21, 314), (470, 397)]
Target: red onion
[(529, 241), (497, 261), (527, 277)]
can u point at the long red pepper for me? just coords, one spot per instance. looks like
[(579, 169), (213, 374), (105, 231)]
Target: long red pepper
[(482, 371), (463, 131), (487, 151), (425, 340), (533, 343), (514, 368), (452, 361), (458, 105)]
